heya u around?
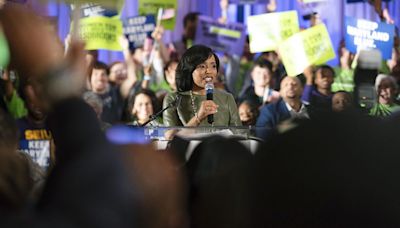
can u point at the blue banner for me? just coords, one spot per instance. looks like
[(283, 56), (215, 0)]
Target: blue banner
[(137, 29), (92, 10), (354, 1), (363, 34), (224, 38), (247, 1)]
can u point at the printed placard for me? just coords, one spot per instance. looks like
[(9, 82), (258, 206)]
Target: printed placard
[(364, 34), (169, 7), (93, 9), (101, 33), (309, 47), (137, 29), (225, 38), (266, 31)]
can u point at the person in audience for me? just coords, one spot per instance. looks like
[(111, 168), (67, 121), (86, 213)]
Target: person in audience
[(143, 107), (261, 91), (342, 101), (118, 73), (89, 180), (94, 101), (344, 74), (113, 97), (15, 105), (248, 113), (220, 172), (387, 90), (169, 74), (289, 106), (15, 184), (198, 66), (317, 91), (36, 139), (189, 33), (335, 171)]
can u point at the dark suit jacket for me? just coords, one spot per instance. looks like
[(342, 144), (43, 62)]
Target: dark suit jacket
[(270, 116)]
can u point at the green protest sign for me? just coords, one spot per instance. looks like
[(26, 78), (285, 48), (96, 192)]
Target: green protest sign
[(4, 51), (168, 18), (266, 31), (309, 47), (100, 33)]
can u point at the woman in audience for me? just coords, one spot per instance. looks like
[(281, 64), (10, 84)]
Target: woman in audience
[(143, 107), (118, 73), (198, 66), (248, 113), (387, 90)]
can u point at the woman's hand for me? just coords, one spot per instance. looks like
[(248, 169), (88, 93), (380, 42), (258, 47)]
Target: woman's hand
[(207, 107)]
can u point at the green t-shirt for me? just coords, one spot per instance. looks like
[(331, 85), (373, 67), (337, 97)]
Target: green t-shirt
[(344, 80)]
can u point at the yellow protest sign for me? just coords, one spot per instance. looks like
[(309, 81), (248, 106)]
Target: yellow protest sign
[(266, 31), (309, 47), (101, 33), (169, 11)]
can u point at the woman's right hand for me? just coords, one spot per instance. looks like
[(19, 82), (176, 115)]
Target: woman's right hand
[(207, 107)]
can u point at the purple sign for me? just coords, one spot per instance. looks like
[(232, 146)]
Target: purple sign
[(226, 38)]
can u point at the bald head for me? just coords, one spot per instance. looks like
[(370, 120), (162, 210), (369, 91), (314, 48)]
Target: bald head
[(291, 88)]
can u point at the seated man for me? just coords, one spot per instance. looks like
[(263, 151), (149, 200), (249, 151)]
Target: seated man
[(289, 106)]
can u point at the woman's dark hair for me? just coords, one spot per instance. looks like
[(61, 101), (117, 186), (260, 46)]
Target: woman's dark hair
[(220, 172), (98, 65), (194, 56)]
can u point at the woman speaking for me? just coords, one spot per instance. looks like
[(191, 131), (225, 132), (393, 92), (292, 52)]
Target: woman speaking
[(197, 68)]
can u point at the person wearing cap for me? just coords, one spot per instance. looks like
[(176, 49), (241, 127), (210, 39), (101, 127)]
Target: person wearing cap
[(387, 90)]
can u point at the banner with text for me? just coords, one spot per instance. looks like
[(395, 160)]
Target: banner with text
[(101, 33), (137, 29), (363, 34), (225, 38), (309, 47), (266, 31), (247, 1), (168, 18), (92, 10), (110, 4)]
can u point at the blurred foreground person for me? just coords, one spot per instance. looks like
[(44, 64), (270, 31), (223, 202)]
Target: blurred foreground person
[(88, 186)]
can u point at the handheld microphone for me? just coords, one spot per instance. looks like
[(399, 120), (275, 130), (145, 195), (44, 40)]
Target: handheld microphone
[(209, 93)]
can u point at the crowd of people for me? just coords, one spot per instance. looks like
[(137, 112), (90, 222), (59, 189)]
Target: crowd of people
[(328, 158)]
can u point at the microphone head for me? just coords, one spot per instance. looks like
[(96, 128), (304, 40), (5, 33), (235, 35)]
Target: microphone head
[(209, 87)]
